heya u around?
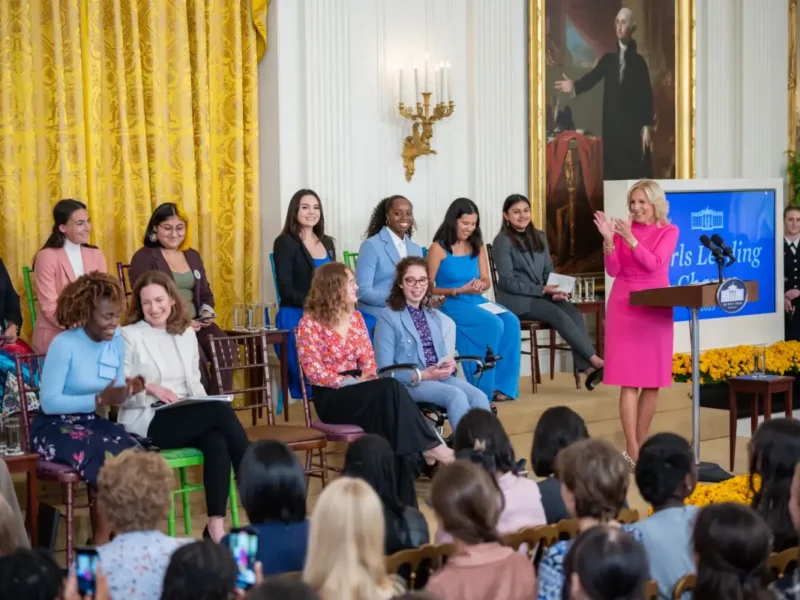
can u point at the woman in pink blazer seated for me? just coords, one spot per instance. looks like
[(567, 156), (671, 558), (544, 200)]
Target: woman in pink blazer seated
[(65, 256)]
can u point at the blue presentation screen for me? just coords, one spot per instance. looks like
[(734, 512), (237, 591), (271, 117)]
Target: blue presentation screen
[(746, 221)]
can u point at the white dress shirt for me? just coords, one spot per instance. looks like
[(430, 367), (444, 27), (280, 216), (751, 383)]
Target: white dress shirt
[(622, 49), (793, 244), (399, 244), (75, 258)]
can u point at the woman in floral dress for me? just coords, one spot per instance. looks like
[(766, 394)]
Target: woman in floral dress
[(84, 372)]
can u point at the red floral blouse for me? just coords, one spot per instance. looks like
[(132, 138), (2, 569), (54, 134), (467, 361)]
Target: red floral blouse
[(323, 353)]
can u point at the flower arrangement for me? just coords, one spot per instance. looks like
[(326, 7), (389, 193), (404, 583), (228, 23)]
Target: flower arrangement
[(736, 489), (717, 365)]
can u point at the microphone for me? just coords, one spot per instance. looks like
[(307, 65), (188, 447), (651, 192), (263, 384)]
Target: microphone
[(725, 250), (704, 239)]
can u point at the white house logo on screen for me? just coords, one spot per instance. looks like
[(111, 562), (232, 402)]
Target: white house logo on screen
[(732, 295), (707, 220)]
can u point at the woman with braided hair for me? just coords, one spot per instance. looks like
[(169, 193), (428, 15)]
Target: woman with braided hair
[(388, 241), (84, 373)]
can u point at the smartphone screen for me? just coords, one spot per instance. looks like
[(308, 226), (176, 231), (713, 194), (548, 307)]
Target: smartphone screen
[(244, 545), (86, 570)]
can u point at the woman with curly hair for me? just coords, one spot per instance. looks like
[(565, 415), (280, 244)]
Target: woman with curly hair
[(84, 373), (161, 346), (335, 352), (388, 241)]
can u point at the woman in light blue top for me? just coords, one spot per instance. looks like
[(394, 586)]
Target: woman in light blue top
[(408, 331), (84, 371), (388, 241), (458, 265)]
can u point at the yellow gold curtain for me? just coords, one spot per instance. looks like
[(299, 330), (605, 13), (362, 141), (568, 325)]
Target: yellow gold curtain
[(127, 104)]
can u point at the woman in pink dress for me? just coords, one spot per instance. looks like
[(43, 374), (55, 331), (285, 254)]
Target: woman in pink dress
[(638, 339)]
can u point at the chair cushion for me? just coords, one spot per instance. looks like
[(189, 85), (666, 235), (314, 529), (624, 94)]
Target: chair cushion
[(53, 471), (330, 429), (288, 434), (182, 455)]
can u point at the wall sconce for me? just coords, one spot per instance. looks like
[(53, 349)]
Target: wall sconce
[(425, 113)]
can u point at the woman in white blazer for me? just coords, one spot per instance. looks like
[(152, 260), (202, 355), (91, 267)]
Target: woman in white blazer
[(388, 241), (161, 346), (408, 331)]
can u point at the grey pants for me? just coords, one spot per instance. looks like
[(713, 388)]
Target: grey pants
[(10, 496), (568, 321)]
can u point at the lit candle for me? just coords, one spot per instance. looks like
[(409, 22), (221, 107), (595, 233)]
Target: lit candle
[(449, 85), (416, 84), (401, 86), (438, 89), (441, 83), (427, 86)]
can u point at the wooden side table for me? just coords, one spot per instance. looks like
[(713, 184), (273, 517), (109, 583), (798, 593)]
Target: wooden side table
[(766, 386), (598, 309), (26, 463)]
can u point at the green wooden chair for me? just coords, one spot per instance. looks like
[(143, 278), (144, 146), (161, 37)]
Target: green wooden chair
[(350, 259), (181, 459), (26, 278)]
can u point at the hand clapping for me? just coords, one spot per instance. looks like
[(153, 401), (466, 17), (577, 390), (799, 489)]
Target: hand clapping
[(605, 226), (622, 227)]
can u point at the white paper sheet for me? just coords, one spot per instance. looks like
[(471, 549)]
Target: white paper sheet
[(493, 308), (565, 283)]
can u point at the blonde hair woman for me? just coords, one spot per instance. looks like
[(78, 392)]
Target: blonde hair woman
[(637, 254), (345, 552)]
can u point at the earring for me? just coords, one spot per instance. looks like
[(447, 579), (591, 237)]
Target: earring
[(153, 237)]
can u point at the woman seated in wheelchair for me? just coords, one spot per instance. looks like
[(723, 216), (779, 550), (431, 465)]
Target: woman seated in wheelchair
[(161, 347), (410, 332)]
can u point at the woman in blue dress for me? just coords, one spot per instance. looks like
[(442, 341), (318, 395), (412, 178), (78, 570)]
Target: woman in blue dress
[(388, 241), (300, 249), (459, 267)]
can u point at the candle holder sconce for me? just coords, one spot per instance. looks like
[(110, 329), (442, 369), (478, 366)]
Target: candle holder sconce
[(423, 117)]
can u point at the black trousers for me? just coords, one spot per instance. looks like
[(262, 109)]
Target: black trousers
[(382, 407), (568, 321), (212, 428)]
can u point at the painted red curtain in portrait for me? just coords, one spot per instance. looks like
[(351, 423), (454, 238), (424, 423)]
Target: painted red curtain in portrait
[(594, 21), (590, 153)]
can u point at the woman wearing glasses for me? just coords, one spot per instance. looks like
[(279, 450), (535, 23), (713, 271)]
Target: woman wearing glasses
[(409, 331)]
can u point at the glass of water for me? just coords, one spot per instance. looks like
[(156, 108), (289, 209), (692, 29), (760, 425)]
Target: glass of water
[(271, 315), (760, 362), (3, 443), (13, 439), (577, 291), (255, 316), (239, 317), (588, 289)]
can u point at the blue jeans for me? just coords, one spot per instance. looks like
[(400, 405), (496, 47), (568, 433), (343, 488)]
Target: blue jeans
[(455, 395)]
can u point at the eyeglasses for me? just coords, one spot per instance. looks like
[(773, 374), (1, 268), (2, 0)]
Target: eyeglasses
[(411, 282), (169, 229)]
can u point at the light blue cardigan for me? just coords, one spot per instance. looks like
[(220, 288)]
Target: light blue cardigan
[(375, 269)]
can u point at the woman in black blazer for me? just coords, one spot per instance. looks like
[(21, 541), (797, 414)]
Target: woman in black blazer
[(301, 247)]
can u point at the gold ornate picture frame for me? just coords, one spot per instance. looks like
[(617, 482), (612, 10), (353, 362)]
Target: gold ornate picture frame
[(543, 106)]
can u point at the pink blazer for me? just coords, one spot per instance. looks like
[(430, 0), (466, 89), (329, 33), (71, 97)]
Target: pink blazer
[(52, 272)]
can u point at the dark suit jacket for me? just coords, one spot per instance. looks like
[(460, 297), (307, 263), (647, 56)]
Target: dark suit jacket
[(294, 268), (520, 275), (9, 300), (151, 259), (627, 108)]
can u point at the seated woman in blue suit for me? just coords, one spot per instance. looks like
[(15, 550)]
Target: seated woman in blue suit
[(388, 241), (459, 267), (409, 331)]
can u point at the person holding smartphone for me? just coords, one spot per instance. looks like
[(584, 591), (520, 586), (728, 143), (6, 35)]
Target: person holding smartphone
[(83, 375), (409, 331)]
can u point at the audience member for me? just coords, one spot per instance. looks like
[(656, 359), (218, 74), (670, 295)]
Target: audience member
[(467, 502), (459, 268), (480, 438), (788, 586), (282, 588), (84, 372), (774, 453), (200, 571), (523, 264), (732, 545), (65, 256), (337, 358), (410, 331), (605, 563), (594, 484), (388, 241), (12, 527), (134, 491), (558, 427), (371, 458), (161, 347), (272, 489), (167, 248), (665, 475), (30, 575), (345, 552)]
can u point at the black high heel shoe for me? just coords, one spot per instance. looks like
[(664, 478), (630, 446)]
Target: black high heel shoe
[(206, 534), (594, 378)]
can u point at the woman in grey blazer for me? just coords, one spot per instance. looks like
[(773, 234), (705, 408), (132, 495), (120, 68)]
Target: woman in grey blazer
[(523, 264), (408, 331)]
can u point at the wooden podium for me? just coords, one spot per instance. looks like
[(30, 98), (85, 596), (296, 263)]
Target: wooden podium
[(693, 297)]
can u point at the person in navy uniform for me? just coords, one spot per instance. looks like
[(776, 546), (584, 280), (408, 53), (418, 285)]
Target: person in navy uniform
[(791, 270)]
